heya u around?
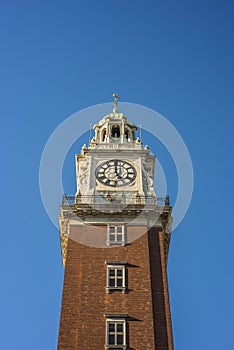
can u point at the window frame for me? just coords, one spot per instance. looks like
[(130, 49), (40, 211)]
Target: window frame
[(116, 267), (116, 242), (116, 321)]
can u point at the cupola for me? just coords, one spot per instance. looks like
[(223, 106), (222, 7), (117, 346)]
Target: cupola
[(115, 128)]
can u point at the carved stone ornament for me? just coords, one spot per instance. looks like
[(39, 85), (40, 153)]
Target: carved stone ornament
[(168, 228), (83, 176), (148, 182)]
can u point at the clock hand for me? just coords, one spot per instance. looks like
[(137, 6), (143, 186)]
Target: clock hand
[(119, 173), (116, 167)]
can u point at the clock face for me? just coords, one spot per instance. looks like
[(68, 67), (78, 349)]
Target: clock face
[(116, 173)]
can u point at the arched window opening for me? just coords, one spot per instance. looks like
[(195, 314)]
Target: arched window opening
[(104, 135), (115, 131)]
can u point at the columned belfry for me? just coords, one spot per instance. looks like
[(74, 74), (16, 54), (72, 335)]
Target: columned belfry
[(115, 236)]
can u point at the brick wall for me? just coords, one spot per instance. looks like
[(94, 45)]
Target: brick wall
[(85, 300)]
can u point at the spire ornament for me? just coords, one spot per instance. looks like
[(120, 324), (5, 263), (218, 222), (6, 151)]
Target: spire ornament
[(115, 103)]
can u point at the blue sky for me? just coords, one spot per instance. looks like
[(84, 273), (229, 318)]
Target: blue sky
[(58, 57)]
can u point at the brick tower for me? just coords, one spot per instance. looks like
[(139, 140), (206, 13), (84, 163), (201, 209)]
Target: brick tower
[(115, 238)]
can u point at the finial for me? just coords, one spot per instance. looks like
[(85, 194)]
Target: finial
[(115, 103)]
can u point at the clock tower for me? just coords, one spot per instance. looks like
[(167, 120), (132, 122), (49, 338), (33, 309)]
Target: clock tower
[(115, 236)]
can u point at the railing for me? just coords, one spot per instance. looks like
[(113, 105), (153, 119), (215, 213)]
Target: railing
[(115, 199), (117, 145)]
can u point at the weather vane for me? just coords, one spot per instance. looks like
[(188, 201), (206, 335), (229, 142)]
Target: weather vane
[(115, 103)]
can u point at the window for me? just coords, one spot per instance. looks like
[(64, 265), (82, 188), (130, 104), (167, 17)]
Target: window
[(115, 131), (116, 277), (116, 334), (116, 235), (126, 134)]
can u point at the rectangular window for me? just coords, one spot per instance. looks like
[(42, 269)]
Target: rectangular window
[(115, 334), (116, 235), (116, 278)]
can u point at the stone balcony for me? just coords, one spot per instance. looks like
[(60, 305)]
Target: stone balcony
[(114, 203)]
